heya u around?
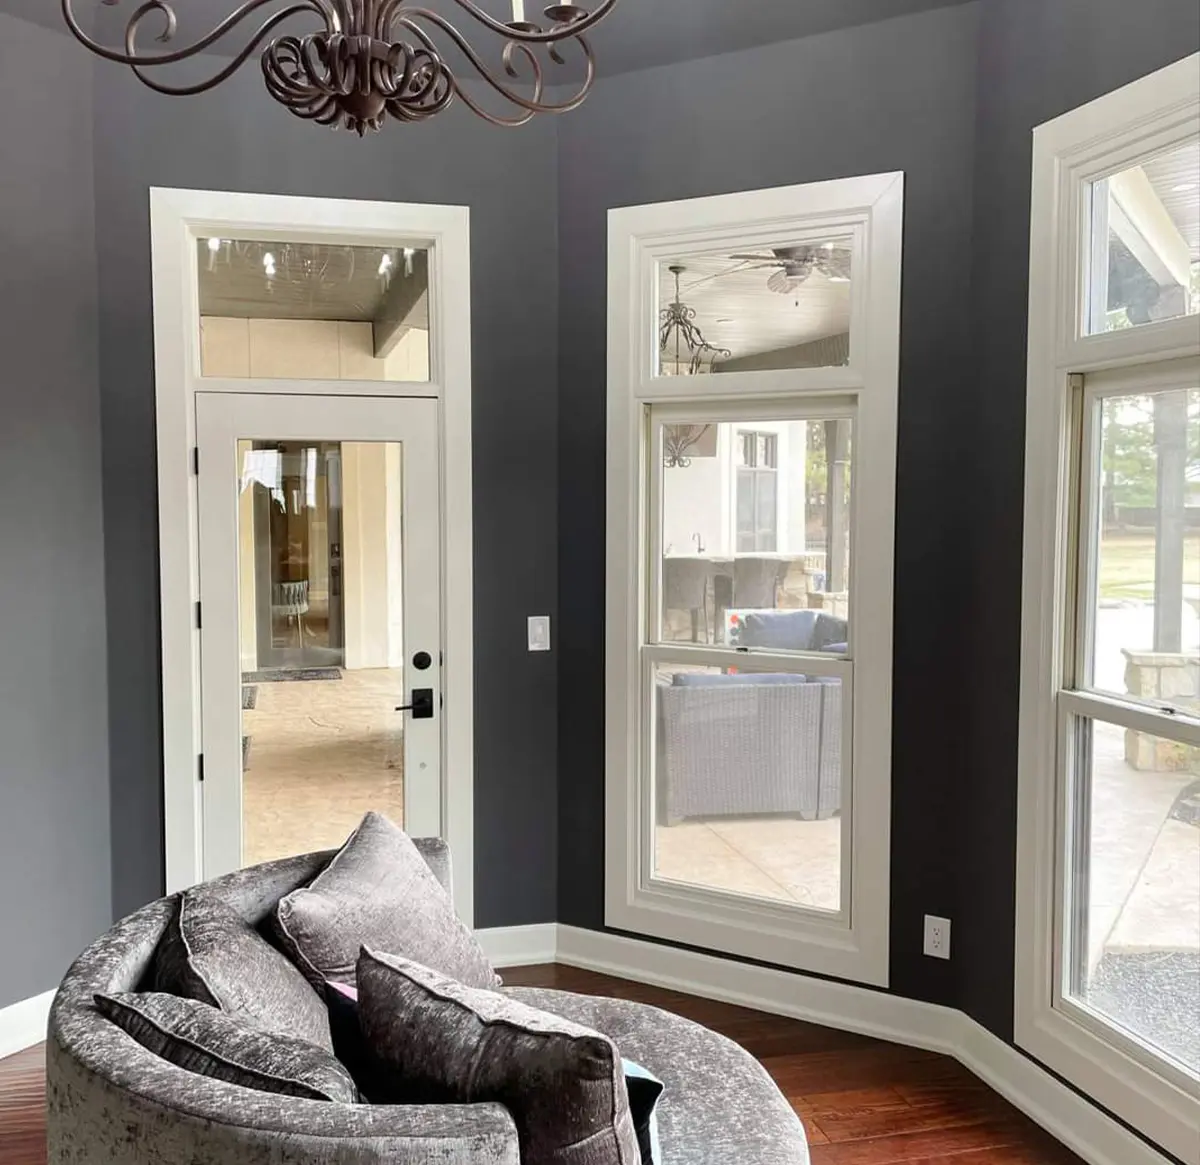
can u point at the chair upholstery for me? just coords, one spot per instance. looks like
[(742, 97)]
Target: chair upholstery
[(719, 1107)]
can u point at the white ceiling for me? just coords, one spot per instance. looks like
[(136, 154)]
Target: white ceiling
[(1175, 177), (736, 310), (312, 281)]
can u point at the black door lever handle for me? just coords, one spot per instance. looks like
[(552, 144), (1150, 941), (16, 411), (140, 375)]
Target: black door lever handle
[(421, 706)]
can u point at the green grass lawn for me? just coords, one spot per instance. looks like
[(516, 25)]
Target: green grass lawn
[(1127, 566)]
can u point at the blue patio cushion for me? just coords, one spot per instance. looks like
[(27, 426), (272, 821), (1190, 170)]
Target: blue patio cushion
[(804, 630)]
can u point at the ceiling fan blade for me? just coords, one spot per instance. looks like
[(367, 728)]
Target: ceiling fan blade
[(783, 283)]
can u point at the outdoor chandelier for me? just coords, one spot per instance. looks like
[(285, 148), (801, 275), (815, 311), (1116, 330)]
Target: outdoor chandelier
[(368, 59), (678, 443), (677, 328)]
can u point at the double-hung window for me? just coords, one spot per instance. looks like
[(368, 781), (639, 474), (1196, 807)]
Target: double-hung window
[(1108, 969), (751, 477)]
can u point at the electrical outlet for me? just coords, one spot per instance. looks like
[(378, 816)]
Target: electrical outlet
[(539, 632), (937, 937)]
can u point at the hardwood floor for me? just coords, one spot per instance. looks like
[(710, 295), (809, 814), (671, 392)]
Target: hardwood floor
[(862, 1101), (22, 1121)]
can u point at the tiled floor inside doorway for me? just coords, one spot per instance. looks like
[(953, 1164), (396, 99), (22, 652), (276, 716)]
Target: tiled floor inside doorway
[(320, 754)]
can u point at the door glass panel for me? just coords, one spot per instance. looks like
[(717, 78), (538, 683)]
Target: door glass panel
[(749, 309), (313, 311), (1135, 890), (756, 533), (320, 559), (747, 783), (1146, 627), (1144, 243)]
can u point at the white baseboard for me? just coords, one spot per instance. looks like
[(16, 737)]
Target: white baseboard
[(520, 946), (1082, 1127), (23, 1024)]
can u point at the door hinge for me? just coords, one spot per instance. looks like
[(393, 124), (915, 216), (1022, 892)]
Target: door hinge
[(200, 767), (196, 459), (198, 616)]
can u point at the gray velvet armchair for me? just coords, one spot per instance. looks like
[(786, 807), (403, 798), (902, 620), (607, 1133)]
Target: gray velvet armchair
[(110, 1101)]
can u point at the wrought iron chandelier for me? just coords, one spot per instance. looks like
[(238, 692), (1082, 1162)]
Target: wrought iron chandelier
[(369, 59), (677, 327), (678, 443)]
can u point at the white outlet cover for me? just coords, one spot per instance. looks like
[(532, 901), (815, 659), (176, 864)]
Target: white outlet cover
[(937, 937), (539, 632)]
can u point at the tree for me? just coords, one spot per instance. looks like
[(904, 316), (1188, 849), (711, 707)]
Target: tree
[(1129, 455)]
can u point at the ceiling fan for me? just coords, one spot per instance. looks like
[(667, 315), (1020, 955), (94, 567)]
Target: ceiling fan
[(793, 265)]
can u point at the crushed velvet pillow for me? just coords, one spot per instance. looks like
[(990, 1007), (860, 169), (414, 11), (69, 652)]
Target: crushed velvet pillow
[(379, 892), (433, 1040), (199, 1038), (210, 953)]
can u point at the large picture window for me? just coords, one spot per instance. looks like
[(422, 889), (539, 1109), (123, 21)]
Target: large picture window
[(1108, 969), (751, 484)]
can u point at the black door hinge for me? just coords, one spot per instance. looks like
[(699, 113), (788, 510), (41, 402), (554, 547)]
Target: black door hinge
[(198, 616), (196, 459), (200, 766)]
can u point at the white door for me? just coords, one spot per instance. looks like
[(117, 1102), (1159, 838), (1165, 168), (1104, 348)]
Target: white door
[(320, 620)]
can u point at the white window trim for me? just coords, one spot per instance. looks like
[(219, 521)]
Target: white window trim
[(177, 218), (871, 210), (1092, 142)]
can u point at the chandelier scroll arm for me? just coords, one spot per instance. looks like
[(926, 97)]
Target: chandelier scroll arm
[(323, 8), (410, 19), (210, 83), (571, 28)]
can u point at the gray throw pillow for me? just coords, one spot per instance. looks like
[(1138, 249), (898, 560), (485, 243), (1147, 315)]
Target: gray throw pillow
[(433, 1041), (199, 1038), (210, 953), (379, 892)]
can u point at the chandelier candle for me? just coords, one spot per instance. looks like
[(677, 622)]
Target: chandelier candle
[(357, 62)]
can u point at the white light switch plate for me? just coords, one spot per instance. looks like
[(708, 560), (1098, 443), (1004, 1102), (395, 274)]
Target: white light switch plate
[(539, 632)]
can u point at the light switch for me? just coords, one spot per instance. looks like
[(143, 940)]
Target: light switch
[(539, 632)]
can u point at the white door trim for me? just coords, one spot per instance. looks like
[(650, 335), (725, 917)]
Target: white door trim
[(177, 218)]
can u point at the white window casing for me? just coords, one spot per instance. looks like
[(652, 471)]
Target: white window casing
[(1071, 362), (853, 942)]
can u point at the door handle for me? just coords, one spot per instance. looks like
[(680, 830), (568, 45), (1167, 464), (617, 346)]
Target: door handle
[(421, 706)]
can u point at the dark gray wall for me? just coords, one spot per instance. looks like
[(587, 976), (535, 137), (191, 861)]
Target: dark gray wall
[(1038, 58), (237, 139), (54, 845), (892, 96)]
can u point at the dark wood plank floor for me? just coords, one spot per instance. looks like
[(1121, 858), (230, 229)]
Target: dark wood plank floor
[(862, 1101)]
